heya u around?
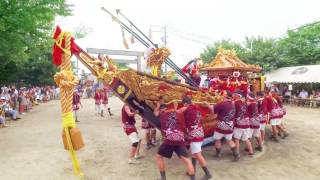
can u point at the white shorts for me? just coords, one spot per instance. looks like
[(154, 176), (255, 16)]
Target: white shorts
[(134, 137), (241, 134), (195, 147), (255, 133), (262, 126), (275, 122), (219, 136)]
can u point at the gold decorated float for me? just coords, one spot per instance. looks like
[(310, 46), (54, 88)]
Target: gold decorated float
[(228, 72)]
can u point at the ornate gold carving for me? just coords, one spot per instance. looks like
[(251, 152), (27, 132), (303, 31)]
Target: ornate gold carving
[(228, 59), (121, 89), (158, 56), (149, 90), (145, 88)]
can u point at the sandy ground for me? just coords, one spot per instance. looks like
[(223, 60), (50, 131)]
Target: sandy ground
[(32, 149)]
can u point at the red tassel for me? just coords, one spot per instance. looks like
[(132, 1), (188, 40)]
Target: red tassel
[(57, 52)]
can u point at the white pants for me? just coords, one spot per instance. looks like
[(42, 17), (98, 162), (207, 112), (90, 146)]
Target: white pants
[(241, 134), (219, 136), (2, 120), (98, 108), (105, 107), (275, 122), (262, 126), (255, 133), (134, 137), (195, 147)]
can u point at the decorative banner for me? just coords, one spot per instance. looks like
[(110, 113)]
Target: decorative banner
[(124, 38)]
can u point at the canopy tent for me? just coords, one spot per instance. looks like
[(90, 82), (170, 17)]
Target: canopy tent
[(296, 74)]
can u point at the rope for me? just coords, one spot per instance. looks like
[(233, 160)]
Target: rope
[(66, 82)]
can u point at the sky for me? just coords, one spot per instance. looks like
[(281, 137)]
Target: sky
[(191, 24)]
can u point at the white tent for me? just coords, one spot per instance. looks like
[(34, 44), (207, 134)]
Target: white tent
[(296, 74)]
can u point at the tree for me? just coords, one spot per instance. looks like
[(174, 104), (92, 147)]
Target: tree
[(211, 50), (81, 31), (261, 51), (122, 65), (300, 47), (25, 31)]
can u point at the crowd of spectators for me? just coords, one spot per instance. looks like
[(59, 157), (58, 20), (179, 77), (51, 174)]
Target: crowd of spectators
[(18, 101)]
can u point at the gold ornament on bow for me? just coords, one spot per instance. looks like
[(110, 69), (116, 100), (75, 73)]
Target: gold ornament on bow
[(157, 58)]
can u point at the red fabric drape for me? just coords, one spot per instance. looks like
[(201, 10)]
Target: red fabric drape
[(57, 51)]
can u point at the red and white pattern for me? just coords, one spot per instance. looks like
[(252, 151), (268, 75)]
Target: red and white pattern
[(192, 118), (171, 129)]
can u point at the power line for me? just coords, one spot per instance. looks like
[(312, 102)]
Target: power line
[(306, 25), (189, 39), (190, 33)]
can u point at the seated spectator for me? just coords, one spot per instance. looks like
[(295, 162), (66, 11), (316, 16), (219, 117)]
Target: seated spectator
[(2, 118), (8, 109), (303, 94), (287, 96)]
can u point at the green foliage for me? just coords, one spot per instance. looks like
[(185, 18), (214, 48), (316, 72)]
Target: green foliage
[(81, 31), (262, 52), (299, 47), (211, 51), (25, 33), (122, 65)]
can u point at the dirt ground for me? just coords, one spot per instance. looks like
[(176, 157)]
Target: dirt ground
[(31, 149)]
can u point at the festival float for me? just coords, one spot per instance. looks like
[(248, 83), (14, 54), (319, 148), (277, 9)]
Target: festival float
[(228, 72), (139, 90)]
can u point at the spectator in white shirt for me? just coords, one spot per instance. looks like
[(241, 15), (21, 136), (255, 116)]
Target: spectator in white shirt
[(303, 94)]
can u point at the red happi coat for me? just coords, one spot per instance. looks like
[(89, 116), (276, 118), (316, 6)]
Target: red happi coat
[(244, 87), (252, 111), (274, 107), (98, 98), (104, 97), (192, 117), (76, 101), (171, 128), (128, 122), (262, 110), (226, 115), (241, 118)]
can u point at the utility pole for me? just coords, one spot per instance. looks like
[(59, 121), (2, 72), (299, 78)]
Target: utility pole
[(161, 29)]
